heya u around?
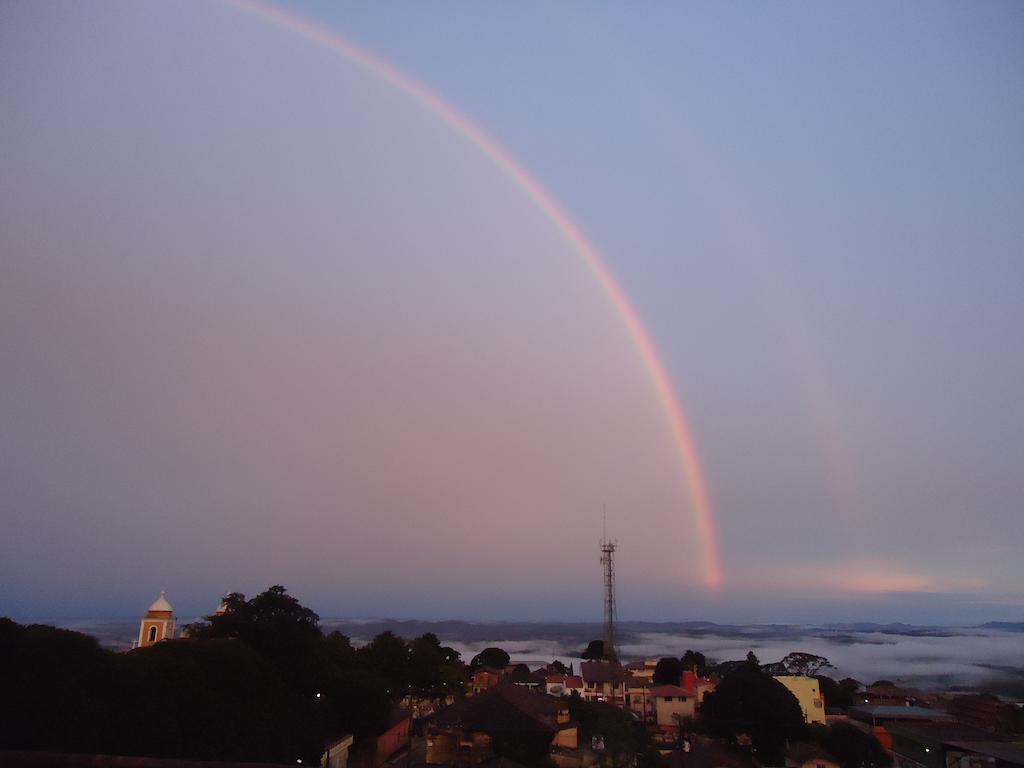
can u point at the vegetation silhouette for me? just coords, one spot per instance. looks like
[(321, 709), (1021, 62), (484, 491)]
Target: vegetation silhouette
[(258, 681)]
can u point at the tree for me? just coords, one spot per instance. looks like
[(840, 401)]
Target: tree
[(387, 656), (854, 748), (748, 701), (194, 699), (696, 659), (595, 651), (276, 625), (355, 701), (58, 689), (799, 663), (840, 694), (495, 658), (215, 700), (726, 668), (622, 737), (668, 671)]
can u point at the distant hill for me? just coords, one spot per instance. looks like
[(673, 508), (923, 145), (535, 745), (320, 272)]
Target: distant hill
[(1005, 626)]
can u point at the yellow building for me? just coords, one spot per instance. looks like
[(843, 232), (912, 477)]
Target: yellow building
[(808, 693), (158, 623)]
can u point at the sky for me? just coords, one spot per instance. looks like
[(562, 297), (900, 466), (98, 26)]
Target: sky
[(269, 315)]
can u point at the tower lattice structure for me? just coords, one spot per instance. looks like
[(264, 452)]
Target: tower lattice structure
[(608, 563)]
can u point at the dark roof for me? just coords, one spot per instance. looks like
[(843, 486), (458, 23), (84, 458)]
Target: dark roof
[(15, 759), (1009, 752), (711, 754), (670, 690), (505, 708), (936, 734), (895, 712), (601, 672), (526, 676)]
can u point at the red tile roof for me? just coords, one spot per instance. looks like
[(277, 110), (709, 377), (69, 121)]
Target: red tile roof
[(671, 690)]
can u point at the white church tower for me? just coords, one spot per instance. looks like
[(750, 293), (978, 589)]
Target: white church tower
[(158, 623)]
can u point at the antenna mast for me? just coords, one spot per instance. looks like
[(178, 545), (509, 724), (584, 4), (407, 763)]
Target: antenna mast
[(608, 562)]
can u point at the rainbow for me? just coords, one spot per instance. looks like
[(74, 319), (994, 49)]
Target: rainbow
[(681, 435)]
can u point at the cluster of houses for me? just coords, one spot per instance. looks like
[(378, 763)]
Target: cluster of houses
[(920, 730), (631, 686)]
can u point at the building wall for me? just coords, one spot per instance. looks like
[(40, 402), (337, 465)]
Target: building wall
[(162, 622), (393, 739), (482, 680), (336, 755), (567, 738), (808, 693), (442, 748), (667, 707)]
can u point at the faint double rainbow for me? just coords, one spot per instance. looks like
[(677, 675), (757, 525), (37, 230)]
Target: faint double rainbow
[(682, 437)]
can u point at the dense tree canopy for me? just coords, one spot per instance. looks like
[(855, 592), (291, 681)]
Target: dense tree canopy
[(854, 748), (595, 651), (696, 659), (277, 626), (216, 700), (495, 658), (668, 671), (748, 701), (615, 728), (841, 694), (799, 663), (257, 682)]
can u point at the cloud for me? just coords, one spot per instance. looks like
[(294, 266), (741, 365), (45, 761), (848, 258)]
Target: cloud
[(857, 576)]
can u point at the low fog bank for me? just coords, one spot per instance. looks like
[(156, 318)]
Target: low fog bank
[(987, 657), (924, 657)]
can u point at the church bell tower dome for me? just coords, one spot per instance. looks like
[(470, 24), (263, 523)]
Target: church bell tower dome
[(158, 623)]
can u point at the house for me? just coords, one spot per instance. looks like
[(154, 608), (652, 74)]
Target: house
[(563, 685), (336, 752), (800, 754), (671, 703), (395, 737), (642, 670), (482, 679), (878, 719), (808, 692), (521, 675), (603, 681), (639, 699), (888, 694), (987, 713), (985, 754), (927, 745), (506, 717)]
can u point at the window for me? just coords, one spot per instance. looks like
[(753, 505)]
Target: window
[(668, 698), (152, 634)]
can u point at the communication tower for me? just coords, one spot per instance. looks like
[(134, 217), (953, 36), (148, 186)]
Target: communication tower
[(608, 563)]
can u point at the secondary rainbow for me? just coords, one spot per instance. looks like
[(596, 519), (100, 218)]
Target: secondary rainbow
[(681, 435)]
